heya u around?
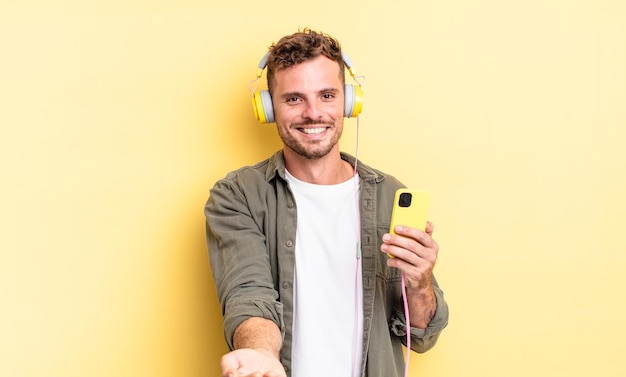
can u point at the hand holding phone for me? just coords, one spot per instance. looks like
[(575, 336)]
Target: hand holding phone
[(410, 208)]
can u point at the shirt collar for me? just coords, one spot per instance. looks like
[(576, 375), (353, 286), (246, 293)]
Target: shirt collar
[(276, 166)]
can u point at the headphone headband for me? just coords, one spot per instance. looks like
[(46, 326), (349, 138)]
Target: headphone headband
[(346, 61)]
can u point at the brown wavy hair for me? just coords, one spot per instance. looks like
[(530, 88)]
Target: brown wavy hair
[(299, 47)]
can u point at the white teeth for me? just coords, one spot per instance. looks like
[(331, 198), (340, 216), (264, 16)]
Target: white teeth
[(313, 130)]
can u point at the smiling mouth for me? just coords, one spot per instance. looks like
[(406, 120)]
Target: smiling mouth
[(313, 131)]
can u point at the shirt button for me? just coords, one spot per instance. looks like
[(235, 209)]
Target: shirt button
[(286, 285), (290, 205), (289, 243)]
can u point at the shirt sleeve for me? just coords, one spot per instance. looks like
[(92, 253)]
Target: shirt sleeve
[(423, 339), (239, 260)]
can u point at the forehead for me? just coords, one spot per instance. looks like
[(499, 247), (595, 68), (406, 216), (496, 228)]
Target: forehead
[(313, 74)]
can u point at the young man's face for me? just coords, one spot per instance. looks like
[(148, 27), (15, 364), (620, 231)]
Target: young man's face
[(308, 101)]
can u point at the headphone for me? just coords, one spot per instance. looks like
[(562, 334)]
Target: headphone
[(262, 100)]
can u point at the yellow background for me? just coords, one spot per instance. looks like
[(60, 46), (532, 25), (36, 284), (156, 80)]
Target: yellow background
[(118, 116)]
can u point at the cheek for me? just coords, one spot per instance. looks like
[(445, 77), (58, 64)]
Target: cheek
[(284, 112), (333, 110)]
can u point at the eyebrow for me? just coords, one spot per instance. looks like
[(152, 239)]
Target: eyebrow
[(300, 94)]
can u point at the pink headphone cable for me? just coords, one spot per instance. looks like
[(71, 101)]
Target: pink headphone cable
[(408, 328), (356, 278), (358, 254)]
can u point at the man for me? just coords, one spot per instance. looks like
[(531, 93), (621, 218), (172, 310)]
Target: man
[(299, 243)]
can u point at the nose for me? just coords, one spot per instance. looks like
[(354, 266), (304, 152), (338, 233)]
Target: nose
[(312, 110)]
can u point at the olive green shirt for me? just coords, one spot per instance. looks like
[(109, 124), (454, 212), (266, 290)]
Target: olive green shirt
[(251, 232)]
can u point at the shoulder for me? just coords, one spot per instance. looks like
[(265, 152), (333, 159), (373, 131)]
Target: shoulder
[(257, 174), (249, 185), (373, 175)]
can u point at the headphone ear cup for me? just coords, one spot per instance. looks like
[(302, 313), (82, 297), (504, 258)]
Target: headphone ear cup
[(353, 101), (263, 109)]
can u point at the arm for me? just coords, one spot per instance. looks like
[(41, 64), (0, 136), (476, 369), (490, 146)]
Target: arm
[(243, 279), (416, 255), (257, 342)]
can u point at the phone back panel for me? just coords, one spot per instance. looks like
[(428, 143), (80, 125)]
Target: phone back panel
[(415, 215)]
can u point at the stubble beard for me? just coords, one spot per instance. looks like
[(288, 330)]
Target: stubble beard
[(310, 149)]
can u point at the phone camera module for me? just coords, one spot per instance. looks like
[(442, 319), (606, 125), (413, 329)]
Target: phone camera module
[(405, 199)]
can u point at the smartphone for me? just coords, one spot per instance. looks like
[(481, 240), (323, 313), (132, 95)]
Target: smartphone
[(410, 208)]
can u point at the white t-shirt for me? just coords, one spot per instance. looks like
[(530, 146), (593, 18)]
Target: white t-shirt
[(328, 296)]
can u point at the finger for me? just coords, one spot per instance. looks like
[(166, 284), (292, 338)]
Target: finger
[(229, 364), (411, 235), (430, 227), (410, 245), (400, 258)]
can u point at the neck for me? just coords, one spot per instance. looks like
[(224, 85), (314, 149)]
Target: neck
[(328, 170)]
